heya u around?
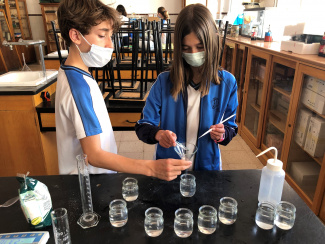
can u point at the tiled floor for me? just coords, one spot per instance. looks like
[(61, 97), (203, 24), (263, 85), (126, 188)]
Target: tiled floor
[(236, 155)]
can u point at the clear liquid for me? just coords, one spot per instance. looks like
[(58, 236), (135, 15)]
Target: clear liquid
[(227, 217), (206, 230), (154, 224), (183, 228), (130, 192), (207, 225), (153, 232), (187, 188), (283, 226), (118, 217), (118, 223), (263, 225)]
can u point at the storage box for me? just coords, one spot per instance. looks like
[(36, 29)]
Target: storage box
[(313, 100), (316, 85), (315, 138), (300, 47), (302, 123), (305, 173)]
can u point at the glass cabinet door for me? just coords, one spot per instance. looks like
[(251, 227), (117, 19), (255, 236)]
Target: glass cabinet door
[(305, 161), (279, 97), (240, 71), (5, 31), (25, 25), (255, 95), (9, 57), (228, 57)]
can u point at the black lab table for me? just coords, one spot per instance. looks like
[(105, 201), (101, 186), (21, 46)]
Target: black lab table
[(211, 186)]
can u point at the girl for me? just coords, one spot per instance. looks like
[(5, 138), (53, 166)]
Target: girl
[(194, 96)]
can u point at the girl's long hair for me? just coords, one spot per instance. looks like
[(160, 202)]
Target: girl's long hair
[(198, 19)]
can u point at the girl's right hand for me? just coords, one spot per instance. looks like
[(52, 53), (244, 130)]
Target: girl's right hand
[(166, 138)]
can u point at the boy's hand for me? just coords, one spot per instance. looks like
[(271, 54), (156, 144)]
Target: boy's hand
[(166, 138), (217, 132), (168, 169)]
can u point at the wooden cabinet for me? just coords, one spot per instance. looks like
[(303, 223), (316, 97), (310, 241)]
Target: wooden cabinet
[(234, 61), (49, 14), (22, 146), (304, 156), (254, 97), (284, 106)]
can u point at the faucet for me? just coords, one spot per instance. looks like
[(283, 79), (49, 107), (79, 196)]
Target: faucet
[(26, 43)]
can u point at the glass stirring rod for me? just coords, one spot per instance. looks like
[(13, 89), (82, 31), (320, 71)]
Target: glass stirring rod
[(208, 131), (89, 218)]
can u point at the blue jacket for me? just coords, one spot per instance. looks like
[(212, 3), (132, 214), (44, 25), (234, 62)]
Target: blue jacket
[(162, 110)]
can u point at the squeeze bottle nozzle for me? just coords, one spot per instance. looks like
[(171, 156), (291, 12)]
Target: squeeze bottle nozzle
[(273, 164)]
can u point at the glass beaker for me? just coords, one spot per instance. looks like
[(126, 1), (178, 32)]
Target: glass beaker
[(187, 185), (118, 213), (154, 222), (285, 215), (89, 218), (264, 217), (60, 224), (130, 189), (207, 220), (183, 223), (227, 210)]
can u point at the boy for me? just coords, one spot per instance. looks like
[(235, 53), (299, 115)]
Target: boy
[(82, 121)]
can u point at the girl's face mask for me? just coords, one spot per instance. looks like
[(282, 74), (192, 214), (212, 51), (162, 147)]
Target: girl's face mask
[(194, 59), (97, 56)]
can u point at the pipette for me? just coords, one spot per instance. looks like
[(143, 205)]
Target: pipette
[(219, 123)]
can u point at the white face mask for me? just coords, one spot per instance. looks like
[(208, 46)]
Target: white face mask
[(97, 56), (194, 59)]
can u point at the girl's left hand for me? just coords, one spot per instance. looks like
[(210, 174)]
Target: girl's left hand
[(217, 132)]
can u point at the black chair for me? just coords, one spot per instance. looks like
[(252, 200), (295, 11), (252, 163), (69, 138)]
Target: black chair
[(56, 38)]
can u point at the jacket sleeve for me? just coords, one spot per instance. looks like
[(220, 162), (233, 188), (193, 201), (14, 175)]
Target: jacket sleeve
[(146, 133), (231, 127), (147, 127)]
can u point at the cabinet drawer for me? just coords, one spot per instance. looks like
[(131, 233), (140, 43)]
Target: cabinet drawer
[(124, 119)]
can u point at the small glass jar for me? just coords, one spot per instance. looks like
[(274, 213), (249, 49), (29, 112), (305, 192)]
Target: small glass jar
[(285, 215), (187, 185), (154, 222), (118, 213), (227, 210), (264, 217), (207, 220), (183, 223), (130, 189)]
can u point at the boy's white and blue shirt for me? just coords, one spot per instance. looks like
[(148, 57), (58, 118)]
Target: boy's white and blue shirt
[(80, 111)]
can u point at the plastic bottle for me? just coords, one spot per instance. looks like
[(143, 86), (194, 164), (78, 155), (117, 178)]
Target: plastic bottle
[(268, 35), (272, 179), (254, 34)]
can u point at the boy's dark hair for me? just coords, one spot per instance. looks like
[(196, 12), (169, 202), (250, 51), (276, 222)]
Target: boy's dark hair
[(120, 8), (82, 15)]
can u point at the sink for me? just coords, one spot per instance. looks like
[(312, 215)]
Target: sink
[(25, 78)]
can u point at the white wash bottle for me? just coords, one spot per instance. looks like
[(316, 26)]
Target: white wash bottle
[(272, 179)]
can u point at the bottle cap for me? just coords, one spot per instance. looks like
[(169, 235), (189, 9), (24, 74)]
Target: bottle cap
[(274, 165)]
